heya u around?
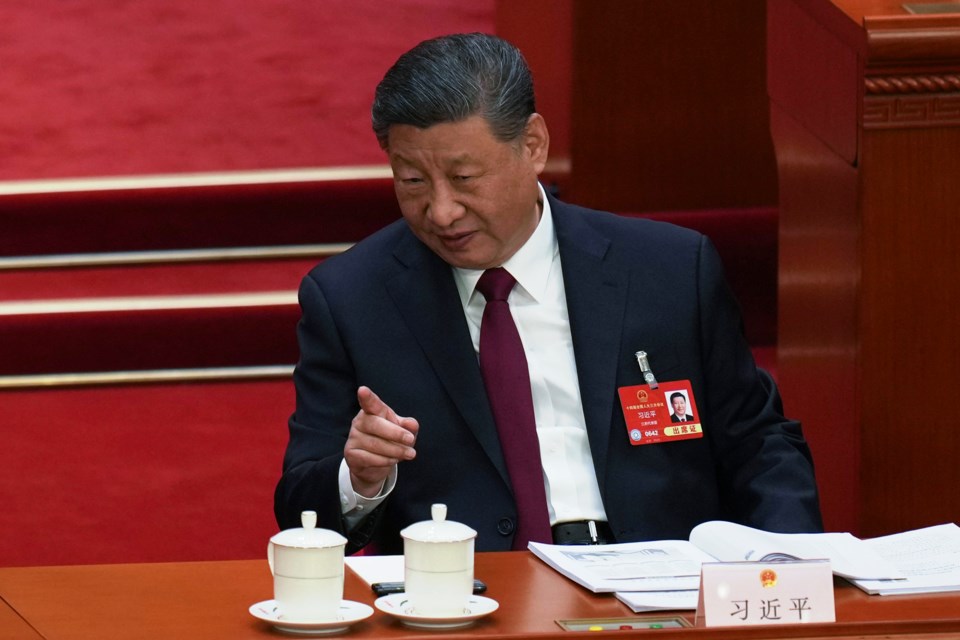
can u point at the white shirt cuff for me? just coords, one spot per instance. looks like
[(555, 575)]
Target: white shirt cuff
[(354, 504)]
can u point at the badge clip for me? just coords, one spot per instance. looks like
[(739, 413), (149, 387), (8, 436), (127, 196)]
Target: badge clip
[(648, 376)]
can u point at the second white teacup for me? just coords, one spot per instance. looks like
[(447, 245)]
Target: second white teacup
[(438, 565)]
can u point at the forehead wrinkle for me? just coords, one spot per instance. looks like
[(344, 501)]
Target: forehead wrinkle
[(435, 157)]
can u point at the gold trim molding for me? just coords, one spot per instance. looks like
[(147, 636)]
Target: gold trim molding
[(187, 180), (171, 256), (558, 165), (158, 376), (909, 111), (149, 303), (941, 83)]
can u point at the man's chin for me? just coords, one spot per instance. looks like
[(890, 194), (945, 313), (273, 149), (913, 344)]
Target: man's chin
[(466, 263), (465, 259)]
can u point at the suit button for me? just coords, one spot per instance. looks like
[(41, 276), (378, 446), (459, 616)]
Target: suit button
[(505, 527)]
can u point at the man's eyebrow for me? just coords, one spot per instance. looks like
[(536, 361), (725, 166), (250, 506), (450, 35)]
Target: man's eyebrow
[(464, 158), (461, 160)]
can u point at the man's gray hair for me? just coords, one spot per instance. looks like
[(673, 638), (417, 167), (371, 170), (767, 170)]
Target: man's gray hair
[(451, 78)]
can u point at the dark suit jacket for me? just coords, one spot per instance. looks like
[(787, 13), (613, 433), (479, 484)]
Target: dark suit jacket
[(386, 314), (687, 417)]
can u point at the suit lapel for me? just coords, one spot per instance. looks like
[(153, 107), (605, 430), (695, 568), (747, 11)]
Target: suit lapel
[(596, 293), (426, 295), (424, 291)]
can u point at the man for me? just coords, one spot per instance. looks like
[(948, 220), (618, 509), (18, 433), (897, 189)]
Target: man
[(679, 403), (394, 411)]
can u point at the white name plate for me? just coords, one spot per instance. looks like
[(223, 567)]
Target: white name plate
[(761, 593)]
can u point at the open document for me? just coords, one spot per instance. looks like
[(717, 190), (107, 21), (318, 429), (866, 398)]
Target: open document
[(651, 576), (929, 558), (668, 565), (644, 601), (849, 556)]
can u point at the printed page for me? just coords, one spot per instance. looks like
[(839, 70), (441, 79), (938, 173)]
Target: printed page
[(849, 556), (634, 566), (641, 601), (928, 557)]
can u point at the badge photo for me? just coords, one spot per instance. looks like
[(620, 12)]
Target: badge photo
[(665, 413)]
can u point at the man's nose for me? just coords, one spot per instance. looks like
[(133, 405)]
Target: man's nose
[(444, 208)]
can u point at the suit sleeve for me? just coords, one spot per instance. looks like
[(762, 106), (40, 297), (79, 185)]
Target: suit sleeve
[(326, 403), (765, 467)]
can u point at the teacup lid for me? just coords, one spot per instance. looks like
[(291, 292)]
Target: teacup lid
[(308, 536), (439, 529)]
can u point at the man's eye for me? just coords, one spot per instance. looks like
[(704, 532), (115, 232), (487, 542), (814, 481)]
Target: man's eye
[(411, 181), (461, 178)]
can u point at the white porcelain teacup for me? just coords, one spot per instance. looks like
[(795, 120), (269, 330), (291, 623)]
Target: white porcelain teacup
[(307, 567), (438, 565)]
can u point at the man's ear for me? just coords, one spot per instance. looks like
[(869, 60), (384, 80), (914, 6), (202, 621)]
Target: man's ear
[(537, 141)]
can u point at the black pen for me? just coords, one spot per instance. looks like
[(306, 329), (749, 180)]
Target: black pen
[(387, 588)]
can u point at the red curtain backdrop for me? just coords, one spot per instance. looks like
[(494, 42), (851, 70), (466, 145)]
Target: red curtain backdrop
[(120, 87), (145, 473)]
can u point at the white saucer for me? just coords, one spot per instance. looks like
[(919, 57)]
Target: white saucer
[(398, 606), (349, 613)]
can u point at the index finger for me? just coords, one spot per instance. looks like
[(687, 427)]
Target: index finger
[(372, 404)]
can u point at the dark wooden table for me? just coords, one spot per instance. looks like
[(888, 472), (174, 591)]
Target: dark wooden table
[(211, 600)]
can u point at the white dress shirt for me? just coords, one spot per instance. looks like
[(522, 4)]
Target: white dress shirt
[(539, 306)]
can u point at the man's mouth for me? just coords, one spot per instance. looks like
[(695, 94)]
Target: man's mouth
[(455, 241)]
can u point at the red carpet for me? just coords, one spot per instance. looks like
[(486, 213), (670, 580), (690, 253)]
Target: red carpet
[(158, 279), (194, 217), (218, 336), (116, 87), (151, 316), (140, 473)]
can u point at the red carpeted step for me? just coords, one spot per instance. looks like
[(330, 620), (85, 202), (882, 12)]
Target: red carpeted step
[(163, 277), (140, 473), (221, 336), (126, 218), (158, 316), (186, 330)]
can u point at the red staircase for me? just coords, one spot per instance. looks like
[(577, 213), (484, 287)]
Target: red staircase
[(148, 334)]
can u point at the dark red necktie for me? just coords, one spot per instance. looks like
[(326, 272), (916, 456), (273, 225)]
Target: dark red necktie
[(504, 368)]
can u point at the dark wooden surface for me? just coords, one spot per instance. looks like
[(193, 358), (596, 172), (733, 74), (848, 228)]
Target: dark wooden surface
[(866, 124), (211, 600), (657, 106)]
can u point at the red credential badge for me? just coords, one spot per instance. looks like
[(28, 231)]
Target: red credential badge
[(665, 413)]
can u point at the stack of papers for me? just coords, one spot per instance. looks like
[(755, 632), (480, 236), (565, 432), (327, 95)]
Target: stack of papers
[(929, 559), (668, 565), (647, 576), (849, 556), (665, 575)]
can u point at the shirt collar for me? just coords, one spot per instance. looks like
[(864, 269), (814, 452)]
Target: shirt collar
[(530, 265)]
